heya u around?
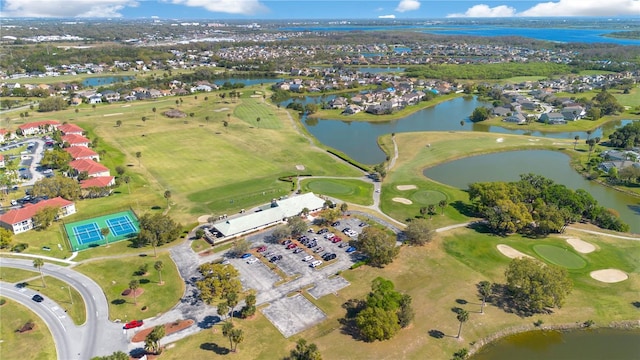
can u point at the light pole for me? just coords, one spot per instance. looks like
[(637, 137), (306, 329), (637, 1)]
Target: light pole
[(68, 288)]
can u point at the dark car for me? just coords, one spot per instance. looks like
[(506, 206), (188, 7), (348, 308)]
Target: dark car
[(286, 242), (322, 231), (312, 244), (328, 256), (133, 324), (275, 258), (37, 298), (337, 223)]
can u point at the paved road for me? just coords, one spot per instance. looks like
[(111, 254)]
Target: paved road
[(89, 338)]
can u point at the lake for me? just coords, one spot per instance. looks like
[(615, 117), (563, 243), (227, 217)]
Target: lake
[(507, 166), (247, 81), (104, 80), (597, 344)]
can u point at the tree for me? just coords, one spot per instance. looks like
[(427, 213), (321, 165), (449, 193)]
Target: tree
[(225, 123), (237, 336), (232, 301), (133, 286), (535, 286), (118, 123), (405, 312), (227, 329), (304, 351), (418, 232), (280, 232), (431, 209), (463, 316), (592, 144), (297, 226), (480, 113), (376, 323), (344, 207), (157, 229), (167, 195), (105, 234), (38, 263), (154, 112), (152, 341), (377, 245), (138, 156), (576, 138), (443, 205), (127, 179), (118, 355), (159, 265), (485, 290), (52, 103), (461, 123), (218, 281), (55, 159), (6, 237), (56, 186), (250, 306), (144, 119), (223, 310), (45, 216), (240, 247)]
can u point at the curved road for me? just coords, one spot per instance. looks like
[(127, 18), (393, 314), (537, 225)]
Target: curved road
[(89, 338)]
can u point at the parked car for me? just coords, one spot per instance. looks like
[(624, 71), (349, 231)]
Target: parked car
[(307, 258), (362, 224), (322, 231), (244, 256), (275, 258), (262, 248), (319, 249), (335, 239), (297, 250), (328, 256), (252, 260), (334, 224), (344, 244), (351, 249), (312, 244), (286, 242), (316, 263), (292, 246), (133, 324), (37, 298)]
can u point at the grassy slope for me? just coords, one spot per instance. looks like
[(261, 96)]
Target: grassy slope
[(12, 275), (36, 344), (353, 191)]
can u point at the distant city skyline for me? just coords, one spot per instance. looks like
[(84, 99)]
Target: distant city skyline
[(314, 9)]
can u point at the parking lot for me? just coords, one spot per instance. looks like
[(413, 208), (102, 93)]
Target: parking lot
[(291, 315)]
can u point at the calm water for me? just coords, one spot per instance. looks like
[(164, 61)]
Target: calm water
[(247, 81), (599, 344), (105, 80), (507, 166)]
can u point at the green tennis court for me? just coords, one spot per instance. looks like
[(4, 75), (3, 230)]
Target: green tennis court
[(88, 233)]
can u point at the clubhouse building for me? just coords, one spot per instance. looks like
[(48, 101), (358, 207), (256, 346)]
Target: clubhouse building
[(275, 213)]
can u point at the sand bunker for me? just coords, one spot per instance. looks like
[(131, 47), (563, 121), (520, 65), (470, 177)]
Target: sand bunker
[(402, 200), (510, 252), (499, 140), (114, 114), (220, 110), (406, 187), (609, 275), (581, 246)]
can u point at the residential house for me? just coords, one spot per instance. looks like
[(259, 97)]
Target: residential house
[(75, 140), (338, 103), (501, 111), (552, 118), (95, 99), (92, 168), (4, 135), (517, 118), (21, 220), (111, 96), (573, 113), (68, 129), (352, 109), (38, 127), (82, 152), (99, 186)]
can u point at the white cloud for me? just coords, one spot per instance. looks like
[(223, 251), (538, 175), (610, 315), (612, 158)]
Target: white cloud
[(387, 16), (584, 8), (408, 5), (244, 7), (482, 10), (65, 8)]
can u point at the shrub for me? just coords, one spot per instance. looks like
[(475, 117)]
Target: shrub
[(20, 247), (538, 323)]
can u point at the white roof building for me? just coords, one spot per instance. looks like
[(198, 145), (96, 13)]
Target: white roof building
[(279, 211)]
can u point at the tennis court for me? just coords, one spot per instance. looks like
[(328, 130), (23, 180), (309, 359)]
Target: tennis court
[(91, 232)]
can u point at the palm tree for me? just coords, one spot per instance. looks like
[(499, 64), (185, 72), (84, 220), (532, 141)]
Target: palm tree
[(138, 156), (133, 286), (442, 204), (227, 329), (237, 336), (167, 195), (576, 138), (461, 123), (154, 112), (158, 266), (484, 288), (588, 134), (232, 301), (127, 179), (38, 264), (119, 123), (431, 210), (206, 118), (225, 123), (592, 144), (463, 316), (223, 310), (144, 119), (105, 234)]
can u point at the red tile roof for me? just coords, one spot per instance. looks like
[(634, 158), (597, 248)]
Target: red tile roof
[(78, 152), (98, 181), (90, 166), (70, 128), (37, 124), (75, 139), (3, 132), (18, 215)]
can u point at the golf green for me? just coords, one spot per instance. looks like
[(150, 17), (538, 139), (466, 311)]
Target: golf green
[(427, 197), (559, 256)]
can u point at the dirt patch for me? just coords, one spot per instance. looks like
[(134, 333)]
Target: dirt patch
[(406, 187), (128, 292), (203, 219), (402, 200), (609, 275), (169, 329), (510, 252), (581, 246)]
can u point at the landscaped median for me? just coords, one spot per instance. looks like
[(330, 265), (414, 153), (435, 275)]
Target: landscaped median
[(36, 343)]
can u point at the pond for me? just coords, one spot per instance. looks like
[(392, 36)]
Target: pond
[(105, 80), (507, 166), (247, 81), (594, 344)]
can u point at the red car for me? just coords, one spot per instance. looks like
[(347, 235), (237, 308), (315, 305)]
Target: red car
[(133, 324), (335, 239), (262, 248), (292, 246)]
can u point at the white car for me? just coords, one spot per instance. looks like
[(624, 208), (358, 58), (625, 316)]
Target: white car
[(252, 260), (328, 235), (307, 258), (316, 263)]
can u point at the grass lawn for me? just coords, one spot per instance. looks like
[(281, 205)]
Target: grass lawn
[(254, 108), (36, 344), (114, 275), (579, 125), (349, 190), (414, 156), (12, 275), (58, 291), (560, 256)]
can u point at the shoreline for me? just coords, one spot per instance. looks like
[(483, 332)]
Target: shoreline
[(492, 338)]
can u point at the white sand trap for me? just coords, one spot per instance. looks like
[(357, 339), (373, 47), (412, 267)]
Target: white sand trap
[(203, 219), (609, 275), (300, 167), (402, 201), (510, 252), (129, 105), (581, 245), (499, 140), (406, 187), (220, 110), (114, 114), (256, 96)]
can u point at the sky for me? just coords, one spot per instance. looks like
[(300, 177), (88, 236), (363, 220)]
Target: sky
[(314, 9)]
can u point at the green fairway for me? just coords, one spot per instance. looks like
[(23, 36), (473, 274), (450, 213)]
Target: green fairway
[(36, 344), (349, 190), (559, 256), (256, 112)]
